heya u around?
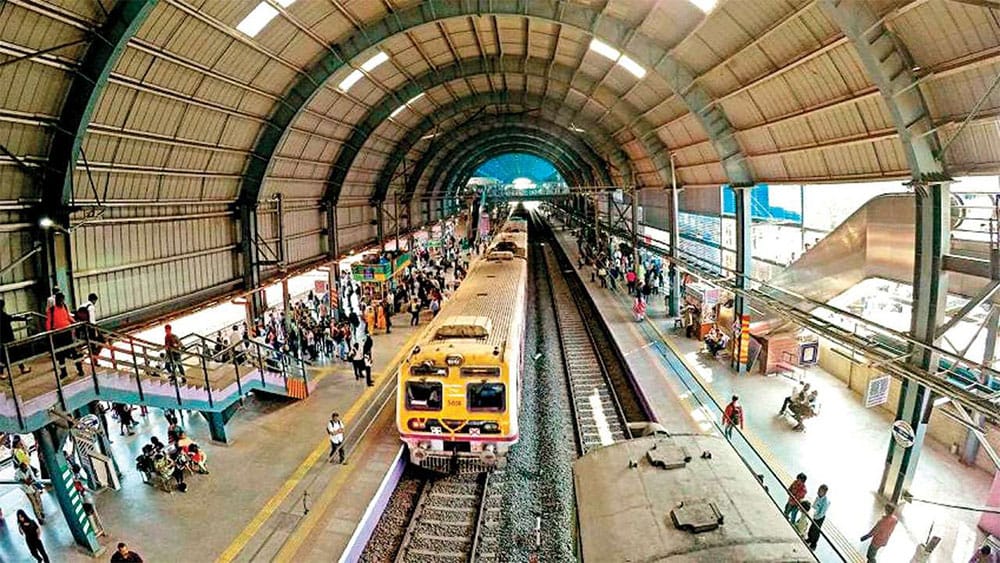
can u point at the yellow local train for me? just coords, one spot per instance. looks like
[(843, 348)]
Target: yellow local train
[(459, 387)]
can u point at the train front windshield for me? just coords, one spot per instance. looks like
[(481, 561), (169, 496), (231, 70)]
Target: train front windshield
[(487, 396), (423, 395)]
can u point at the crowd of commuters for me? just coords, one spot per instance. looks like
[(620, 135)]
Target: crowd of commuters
[(166, 465)]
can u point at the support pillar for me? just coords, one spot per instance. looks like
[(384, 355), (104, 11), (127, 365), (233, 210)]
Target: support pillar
[(635, 229), (741, 309), (286, 304), (57, 263), (251, 258), (50, 440), (217, 425), (674, 273), (930, 290), (379, 226)]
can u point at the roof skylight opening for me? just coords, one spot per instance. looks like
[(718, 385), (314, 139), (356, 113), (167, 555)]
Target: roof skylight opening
[(258, 18), (396, 111), (415, 98), (602, 48), (373, 62), (704, 5), (350, 80), (632, 66)]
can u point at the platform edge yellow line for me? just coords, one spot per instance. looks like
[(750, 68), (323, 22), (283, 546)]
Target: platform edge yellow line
[(269, 508)]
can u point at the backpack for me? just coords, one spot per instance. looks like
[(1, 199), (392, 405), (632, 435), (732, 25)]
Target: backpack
[(82, 315)]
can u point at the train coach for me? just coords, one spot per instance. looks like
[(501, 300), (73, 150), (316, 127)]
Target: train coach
[(459, 386)]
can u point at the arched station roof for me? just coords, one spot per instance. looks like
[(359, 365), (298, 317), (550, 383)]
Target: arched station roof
[(176, 105)]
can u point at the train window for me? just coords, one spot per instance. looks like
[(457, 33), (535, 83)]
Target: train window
[(480, 371), (423, 395), (505, 246), (487, 397)]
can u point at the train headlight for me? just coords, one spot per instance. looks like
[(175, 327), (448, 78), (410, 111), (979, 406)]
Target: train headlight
[(454, 360), (416, 424)]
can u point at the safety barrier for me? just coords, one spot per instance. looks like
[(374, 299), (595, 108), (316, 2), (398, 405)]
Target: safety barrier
[(71, 367)]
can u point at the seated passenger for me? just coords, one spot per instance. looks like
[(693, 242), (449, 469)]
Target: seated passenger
[(806, 408), (198, 459), (715, 341), (799, 396)]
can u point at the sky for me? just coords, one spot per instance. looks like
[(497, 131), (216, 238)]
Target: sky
[(508, 166)]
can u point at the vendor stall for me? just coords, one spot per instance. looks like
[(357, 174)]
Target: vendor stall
[(377, 273)]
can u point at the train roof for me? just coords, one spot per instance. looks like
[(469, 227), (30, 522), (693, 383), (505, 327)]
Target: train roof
[(627, 505), (482, 306)]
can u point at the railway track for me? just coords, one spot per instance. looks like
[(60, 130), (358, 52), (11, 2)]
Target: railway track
[(600, 420), (447, 522)]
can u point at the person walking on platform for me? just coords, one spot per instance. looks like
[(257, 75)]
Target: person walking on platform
[(335, 430), (32, 537), (796, 492), (366, 357), (125, 555), (880, 532), (820, 506), (25, 475), (414, 312), (358, 361), (732, 416)]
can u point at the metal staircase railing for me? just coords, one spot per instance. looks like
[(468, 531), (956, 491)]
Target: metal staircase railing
[(138, 367)]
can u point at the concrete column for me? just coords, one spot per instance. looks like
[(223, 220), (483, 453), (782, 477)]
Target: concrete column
[(50, 440), (217, 426), (741, 309), (930, 290)]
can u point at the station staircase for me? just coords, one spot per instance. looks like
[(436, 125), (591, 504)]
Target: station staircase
[(126, 369)]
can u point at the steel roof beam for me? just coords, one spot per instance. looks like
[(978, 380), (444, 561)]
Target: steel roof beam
[(579, 161), (531, 66), (587, 20), (502, 125), (459, 175), (465, 150), (889, 66), (616, 155), (461, 151), (85, 92)]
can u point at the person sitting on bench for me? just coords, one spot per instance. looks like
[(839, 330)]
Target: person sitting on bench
[(799, 396), (807, 408), (715, 341)]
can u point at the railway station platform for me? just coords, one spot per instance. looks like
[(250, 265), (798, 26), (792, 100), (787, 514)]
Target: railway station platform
[(844, 447), (252, 501)]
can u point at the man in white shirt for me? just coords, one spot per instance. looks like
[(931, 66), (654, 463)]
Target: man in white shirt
[(335, 430), (25, 475)]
